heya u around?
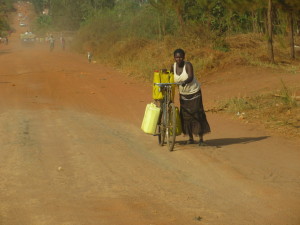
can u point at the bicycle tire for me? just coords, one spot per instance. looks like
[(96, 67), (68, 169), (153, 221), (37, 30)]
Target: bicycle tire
[(161, 136), (171, 127)]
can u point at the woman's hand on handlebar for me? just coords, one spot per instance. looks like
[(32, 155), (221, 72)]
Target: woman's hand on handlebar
[(182, 83)]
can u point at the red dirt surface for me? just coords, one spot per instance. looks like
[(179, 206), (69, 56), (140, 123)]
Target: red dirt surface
[(72, 152)]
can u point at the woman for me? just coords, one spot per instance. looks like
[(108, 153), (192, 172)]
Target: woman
[(192, 113)]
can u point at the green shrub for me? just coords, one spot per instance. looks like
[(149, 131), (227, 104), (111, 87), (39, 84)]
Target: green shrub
[(286, 96)]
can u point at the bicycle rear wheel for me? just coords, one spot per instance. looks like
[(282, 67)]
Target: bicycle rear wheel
[(171, 127)]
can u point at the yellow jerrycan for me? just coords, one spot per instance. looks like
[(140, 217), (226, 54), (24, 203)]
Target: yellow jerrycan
[(178, 123), (150, 119), (156, 93), (161, 76)]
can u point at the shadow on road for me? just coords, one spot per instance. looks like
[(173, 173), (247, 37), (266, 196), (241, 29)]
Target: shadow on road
[(218, 143), (231, 141)]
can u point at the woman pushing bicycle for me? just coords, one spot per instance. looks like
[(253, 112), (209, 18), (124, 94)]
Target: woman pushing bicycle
[(192, 112)]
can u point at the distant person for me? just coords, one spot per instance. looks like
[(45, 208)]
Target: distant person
[(192, 112), (6, 40), (90, 56), (63, 43), (51, 42)]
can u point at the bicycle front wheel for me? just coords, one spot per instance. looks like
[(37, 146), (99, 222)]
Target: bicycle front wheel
[(161, 130), (171, 127)]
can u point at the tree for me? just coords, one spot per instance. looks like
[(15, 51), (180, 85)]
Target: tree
[(69, 14), (5, 7), (161, 6), (290, 7), (270, 31), (39, 5), (178, 6)]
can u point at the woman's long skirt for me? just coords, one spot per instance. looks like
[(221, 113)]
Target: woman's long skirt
[(193, 117)]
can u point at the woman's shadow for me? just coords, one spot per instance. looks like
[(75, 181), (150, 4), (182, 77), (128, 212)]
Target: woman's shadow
[(220, 142), (231, 141)]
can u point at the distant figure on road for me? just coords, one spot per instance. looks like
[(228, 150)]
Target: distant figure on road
[(62, 42), (51, 41), (90, 56)]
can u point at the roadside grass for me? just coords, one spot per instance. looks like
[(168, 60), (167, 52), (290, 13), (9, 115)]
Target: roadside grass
[(278, 111), (139, 57)]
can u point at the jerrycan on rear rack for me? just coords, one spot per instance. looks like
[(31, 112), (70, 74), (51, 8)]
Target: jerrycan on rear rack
[(178, 122)]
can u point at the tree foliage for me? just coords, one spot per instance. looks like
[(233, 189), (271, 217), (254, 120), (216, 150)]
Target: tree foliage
[(156, 19), (6, 6)]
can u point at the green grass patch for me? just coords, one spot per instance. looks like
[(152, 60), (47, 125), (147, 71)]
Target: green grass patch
[(279, 111)]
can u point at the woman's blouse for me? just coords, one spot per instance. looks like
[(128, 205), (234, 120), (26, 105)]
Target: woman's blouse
[(189, 88)]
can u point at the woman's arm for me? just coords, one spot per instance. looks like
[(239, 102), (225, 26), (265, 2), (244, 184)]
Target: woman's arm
[(190, 71)]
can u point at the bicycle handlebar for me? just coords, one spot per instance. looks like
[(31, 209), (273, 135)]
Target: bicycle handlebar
[(166, 84)]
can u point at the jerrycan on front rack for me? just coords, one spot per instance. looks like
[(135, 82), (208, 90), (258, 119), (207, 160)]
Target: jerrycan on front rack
[(161, 76), (156, 93)]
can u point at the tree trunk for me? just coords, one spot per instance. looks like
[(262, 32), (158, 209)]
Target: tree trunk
[(159, 28), (265, 19), (291, 33), (254, 22), (180, 18), (270, 32), (178, 7), (164, 25)]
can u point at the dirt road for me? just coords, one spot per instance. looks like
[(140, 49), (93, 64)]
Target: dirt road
[(72, 153)]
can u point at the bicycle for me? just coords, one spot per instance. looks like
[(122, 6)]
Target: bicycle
[(167, 123)]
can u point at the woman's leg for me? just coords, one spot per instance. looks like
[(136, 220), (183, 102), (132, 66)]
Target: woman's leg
[(201, 141), (201, 138), (191, 138)]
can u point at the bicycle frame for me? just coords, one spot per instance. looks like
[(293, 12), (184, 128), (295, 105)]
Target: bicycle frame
[(167, 124), (166, 102)]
